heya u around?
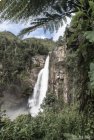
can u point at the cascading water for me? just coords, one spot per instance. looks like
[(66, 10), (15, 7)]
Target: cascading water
[(40, 90)]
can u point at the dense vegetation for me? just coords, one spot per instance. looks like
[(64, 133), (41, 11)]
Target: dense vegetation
[(58, 121), (54, 123)]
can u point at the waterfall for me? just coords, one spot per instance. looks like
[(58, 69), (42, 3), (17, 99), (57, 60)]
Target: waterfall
[(40, 90)]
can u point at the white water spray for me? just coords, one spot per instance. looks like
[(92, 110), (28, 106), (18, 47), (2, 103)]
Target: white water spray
[(40, 90)]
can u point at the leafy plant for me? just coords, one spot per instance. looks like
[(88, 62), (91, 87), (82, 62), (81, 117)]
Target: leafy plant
[(89, 35)]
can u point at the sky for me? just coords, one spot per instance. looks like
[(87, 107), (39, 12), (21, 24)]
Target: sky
[(15, 28)]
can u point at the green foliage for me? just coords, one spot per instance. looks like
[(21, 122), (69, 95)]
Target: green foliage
[(40, 46), (80, 41), (47, 125), (54, 123), (89, 35), (65, 124), (91, 76), (27, 128)]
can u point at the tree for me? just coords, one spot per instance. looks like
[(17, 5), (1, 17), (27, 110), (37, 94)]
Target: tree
[(46, 13)]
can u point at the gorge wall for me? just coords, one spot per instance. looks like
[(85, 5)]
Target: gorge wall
[(58, 75)]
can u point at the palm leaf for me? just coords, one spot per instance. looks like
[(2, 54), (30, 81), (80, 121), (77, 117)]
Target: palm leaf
[(28, 30), (24, 10)]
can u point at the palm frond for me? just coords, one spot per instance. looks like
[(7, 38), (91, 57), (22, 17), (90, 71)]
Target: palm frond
[(24, 10), (29, 29), (50, 22)]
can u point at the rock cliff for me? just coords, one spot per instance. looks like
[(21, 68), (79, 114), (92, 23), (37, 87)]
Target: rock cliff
[(58, 74)]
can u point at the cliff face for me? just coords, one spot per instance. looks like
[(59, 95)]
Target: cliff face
[(58, 75), (38, 63)]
